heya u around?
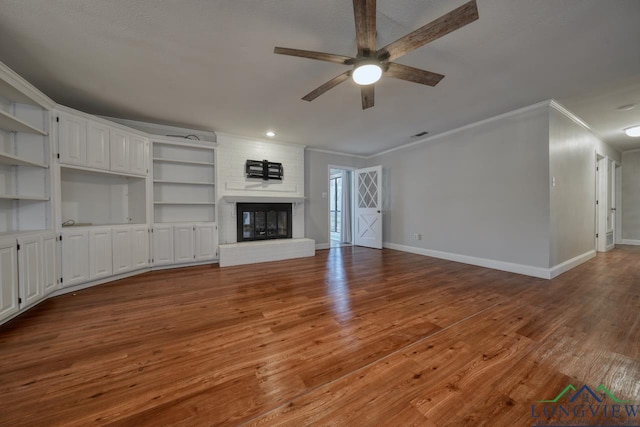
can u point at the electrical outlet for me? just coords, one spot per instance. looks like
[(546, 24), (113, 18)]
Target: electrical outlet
[(417, 236)]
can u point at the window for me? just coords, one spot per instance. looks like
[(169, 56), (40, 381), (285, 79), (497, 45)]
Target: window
[(335, 203)]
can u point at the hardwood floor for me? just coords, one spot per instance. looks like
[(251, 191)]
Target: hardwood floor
[(352, 337)]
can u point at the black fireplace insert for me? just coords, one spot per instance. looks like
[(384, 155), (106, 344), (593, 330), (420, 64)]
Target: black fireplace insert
[(263, 221)]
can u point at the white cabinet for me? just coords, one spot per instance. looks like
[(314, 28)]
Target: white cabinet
[(138, 155), (8, 278), (140, 246), (122, 257), (162, 244), (72, 140), (51, 262), (30, 270), (205, 242), (183, 243), (100, 253), (98, 152), (120, 151), (75, 257)]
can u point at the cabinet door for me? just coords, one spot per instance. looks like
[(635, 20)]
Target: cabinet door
[(139, 155), (98, 152), (50, 273), (162, 244), (122, 259), (205, 248), (140, 245), (183, 243), (8, 278), (100, 253), (119, 148), (75, 257), (72, 140), (30, 270)]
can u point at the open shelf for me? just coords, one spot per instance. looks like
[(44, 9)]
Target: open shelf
[(14, 124), (9, 92), (8, 159), (202, 145), (184, 162), (22, 197), (100, 171), (167, 181)]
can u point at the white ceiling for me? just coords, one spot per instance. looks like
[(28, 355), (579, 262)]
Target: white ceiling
[(209, 64)]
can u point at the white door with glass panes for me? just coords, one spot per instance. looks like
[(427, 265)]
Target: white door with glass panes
[(368, 209)]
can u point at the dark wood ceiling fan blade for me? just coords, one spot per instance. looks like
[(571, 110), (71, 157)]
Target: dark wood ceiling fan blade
[(368, 95), (416, 75), (364, 12), (447, 23), (320, 56), (328, 85)]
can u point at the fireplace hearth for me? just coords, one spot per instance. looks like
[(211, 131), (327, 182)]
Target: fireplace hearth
[(263, 221)]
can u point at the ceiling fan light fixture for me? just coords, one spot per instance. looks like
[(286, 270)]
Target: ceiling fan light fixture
[(367, 73), (633, 131)]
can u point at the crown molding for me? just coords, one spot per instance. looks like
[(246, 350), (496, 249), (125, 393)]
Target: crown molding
[(336, 153)]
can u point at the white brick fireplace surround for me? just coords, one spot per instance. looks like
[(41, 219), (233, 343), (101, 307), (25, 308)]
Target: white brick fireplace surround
[(234, 187)]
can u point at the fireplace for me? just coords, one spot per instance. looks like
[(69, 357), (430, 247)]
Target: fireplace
[(263, 221)]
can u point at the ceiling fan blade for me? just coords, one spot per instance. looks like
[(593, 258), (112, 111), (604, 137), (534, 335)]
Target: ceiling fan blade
[(328, 85), (452, 21), (364, 12), (368, 95), (320, 56), (416, 75)]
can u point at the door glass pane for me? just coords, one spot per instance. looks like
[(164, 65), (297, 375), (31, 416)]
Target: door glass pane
[(282, 223), (247, 225), (261, 224), (272, 223)]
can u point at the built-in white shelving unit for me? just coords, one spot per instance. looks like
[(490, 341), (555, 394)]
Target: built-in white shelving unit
[(183, 181)]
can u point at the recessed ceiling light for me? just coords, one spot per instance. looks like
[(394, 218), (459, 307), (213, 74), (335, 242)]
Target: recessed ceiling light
[(270, 133), (626, 107), (633, 131)]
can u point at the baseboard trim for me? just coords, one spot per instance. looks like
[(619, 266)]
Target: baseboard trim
[(573, 262), (527, 270), (322, 246), (630, 242)]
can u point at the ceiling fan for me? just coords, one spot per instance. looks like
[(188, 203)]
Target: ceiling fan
[(370, 63)]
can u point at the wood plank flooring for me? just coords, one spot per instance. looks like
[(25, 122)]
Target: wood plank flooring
[(351, 337)]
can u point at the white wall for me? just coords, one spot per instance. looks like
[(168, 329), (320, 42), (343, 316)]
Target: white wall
[(572, 159), (233, 152), (316, 183), (481, 191), (631, 196)]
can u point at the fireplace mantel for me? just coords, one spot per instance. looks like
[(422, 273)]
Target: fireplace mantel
[(263, 199)]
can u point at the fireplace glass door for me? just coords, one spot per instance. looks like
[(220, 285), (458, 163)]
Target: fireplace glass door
[(262, 221)]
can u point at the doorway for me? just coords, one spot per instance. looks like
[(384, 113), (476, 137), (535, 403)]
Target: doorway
[(340, 206), (607, 203)]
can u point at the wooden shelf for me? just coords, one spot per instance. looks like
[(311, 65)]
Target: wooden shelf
[(166, 181), (12, 123), (22, 197), (184, 162), (184, 203), (8, 159), (190, 143)]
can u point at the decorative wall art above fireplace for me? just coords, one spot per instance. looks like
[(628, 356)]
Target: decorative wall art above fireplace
[(264, 169)]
